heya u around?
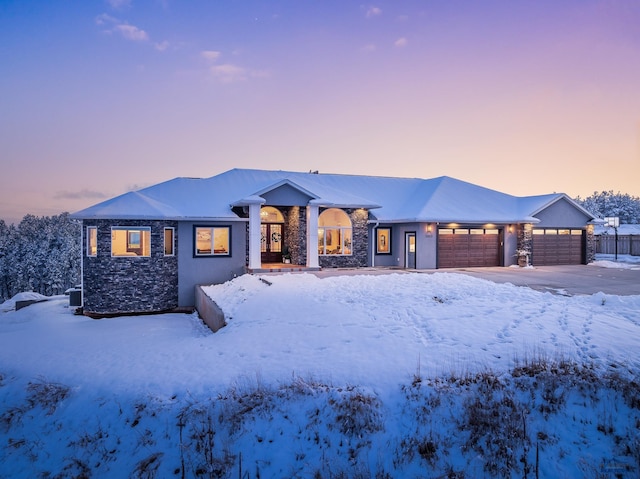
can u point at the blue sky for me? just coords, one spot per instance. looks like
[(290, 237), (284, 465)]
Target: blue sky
[(527, 97)]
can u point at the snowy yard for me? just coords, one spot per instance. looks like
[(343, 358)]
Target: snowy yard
[(151, 395)]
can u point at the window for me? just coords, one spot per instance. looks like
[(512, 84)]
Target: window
[(130, 241), (212, 241), (334, 233), (383, 241), (92, 241), (169, 242)]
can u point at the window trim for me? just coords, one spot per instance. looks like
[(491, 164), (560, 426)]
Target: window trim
[(383, 235), (173, 241), (129, 230), (228, 254), (93, 229)]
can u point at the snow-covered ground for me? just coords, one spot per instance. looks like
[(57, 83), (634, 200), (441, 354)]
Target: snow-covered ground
[(295, 344), (624, 261)]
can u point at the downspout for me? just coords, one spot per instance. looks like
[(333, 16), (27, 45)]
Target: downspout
[(373, 243), (82, 246)]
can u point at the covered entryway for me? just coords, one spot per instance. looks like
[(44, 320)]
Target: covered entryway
[(468, 247), (271, 235), (557, 246)]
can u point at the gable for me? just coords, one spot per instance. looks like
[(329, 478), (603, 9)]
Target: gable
[(286, 195), (562, 213)]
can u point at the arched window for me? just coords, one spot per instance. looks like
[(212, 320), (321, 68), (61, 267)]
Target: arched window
[(334, 232), (269, 214)]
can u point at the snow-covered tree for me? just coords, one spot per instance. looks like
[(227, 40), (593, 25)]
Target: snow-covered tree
[(41, 254), (608, 203)]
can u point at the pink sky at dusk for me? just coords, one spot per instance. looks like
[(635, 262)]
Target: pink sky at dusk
[(525, 97)]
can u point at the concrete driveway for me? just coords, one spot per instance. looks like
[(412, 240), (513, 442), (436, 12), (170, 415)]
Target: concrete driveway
[(571, 280), (565, 280)]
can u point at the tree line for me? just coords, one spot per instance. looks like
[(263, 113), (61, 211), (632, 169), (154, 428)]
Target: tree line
[(608, 203), (40, 254)]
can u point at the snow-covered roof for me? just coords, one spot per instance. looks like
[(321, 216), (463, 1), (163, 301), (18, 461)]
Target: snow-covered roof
[(389, 199)]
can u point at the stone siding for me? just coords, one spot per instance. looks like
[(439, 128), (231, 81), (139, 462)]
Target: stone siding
[(129, 284), (296, 233), (590, 253), (359, 243), (525, 238)]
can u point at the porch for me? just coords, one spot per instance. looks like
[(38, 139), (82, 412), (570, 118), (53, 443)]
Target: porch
[(282, 268)]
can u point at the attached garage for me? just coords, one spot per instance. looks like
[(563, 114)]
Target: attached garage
[(468, 247), (557, 246)]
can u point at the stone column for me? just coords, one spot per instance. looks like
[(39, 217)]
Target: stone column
[(312, 235)]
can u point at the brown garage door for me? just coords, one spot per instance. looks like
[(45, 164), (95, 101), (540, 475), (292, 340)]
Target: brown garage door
[(468, 247), (553, 246)]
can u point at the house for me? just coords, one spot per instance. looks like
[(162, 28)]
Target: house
[(146, 250)]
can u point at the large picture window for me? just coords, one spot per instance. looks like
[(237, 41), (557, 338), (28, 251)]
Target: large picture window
[(130, 241), (334, 233), (212, 241), (92, 241)]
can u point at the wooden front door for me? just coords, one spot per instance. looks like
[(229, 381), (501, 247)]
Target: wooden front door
[(271, 242)]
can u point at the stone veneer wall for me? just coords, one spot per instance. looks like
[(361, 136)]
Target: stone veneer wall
[(591, 245), (359, 243), (296, 233), (525, 238), (129, 284)]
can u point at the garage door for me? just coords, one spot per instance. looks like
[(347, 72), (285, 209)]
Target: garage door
[(468, 247), (552, 246)]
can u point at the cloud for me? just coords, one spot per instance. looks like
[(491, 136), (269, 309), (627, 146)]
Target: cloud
[(82, 194), (210, 54), (373, 11), (229, 73), (369, 48), (131, 32), (161, 46), (119, 4), (401, 42), (104, 19)]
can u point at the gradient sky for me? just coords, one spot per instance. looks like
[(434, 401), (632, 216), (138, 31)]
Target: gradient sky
[(526, 97)]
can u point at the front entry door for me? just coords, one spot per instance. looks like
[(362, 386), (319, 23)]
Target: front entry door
[(271, 242), (410, 250)]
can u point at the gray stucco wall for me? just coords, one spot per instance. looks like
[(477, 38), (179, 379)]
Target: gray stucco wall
[(193, 271), (285, 195), (561, 214), (510, 238), (129, 284), (426, 245)]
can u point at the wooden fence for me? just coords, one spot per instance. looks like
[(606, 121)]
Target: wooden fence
[(627, 244)]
